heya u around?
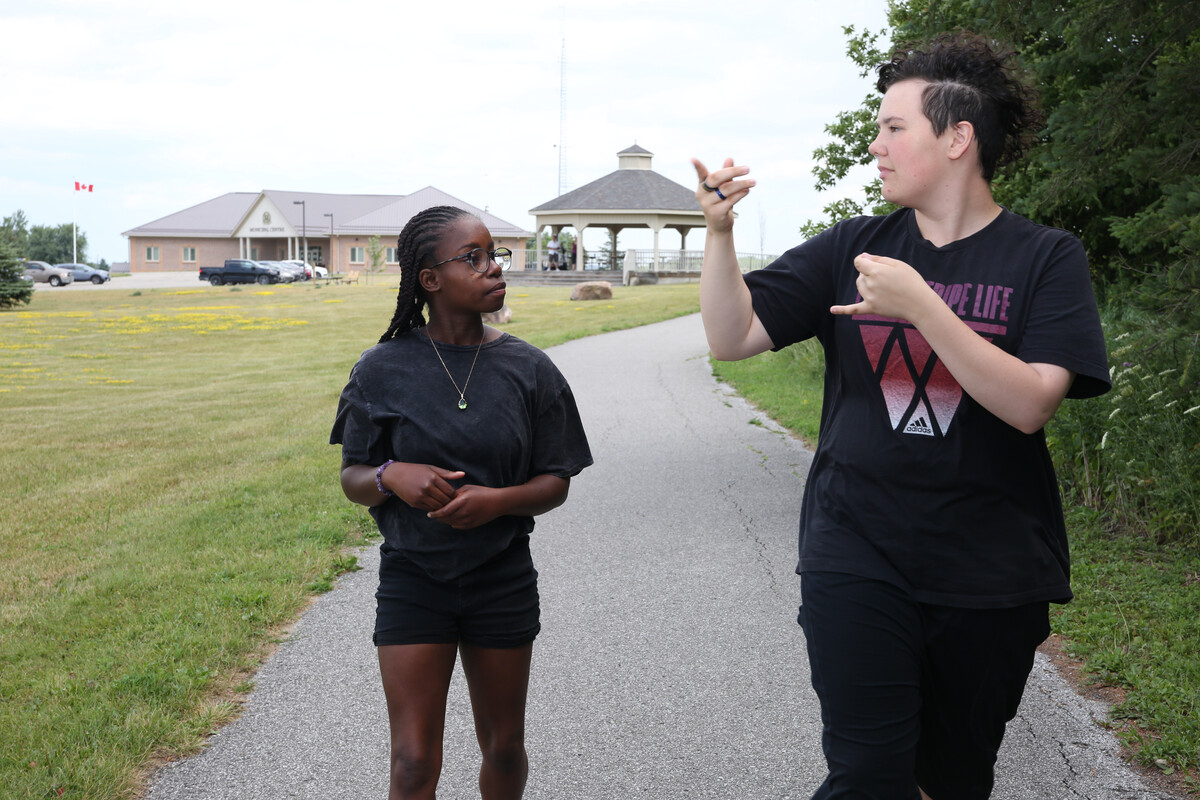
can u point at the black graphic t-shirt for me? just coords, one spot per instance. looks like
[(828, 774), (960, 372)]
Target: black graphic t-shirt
[(521, 421), (913, 481)]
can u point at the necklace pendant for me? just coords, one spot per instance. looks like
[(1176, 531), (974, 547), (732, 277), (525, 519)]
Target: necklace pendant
[(462, 393)]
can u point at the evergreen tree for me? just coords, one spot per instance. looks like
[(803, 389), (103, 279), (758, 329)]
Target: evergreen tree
[(14, 289), (17, 228)]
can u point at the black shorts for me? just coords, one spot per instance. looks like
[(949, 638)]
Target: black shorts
[(912, 694), (494, 605)]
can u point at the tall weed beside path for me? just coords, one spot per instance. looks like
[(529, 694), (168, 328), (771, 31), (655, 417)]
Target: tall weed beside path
[(1134, 454), (169, 505)]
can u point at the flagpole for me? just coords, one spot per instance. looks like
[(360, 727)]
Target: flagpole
[(74, 238)]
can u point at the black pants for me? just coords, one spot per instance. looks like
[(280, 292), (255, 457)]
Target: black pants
[(912, 694)]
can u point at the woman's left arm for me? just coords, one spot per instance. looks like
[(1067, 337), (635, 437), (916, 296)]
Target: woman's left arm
[(1024, 395), (476, 505)]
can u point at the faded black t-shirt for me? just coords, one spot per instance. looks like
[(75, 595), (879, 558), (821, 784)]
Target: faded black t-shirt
[(521, 421), (914, 482)]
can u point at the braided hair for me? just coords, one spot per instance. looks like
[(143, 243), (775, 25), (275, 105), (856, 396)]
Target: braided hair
[(414, 248)]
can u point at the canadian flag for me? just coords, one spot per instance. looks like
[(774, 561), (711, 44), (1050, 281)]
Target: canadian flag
[(82, 187)]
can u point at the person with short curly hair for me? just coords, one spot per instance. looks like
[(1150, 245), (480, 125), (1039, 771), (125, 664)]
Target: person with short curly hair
[(931, 533), (456, 435)]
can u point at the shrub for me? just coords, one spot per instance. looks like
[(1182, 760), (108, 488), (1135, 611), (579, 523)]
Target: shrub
[(1134, 454)]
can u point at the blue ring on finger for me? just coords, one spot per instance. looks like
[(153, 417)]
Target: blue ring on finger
[(718, 191)]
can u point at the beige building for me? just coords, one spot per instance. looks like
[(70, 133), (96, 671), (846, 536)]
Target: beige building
[(274, 226)]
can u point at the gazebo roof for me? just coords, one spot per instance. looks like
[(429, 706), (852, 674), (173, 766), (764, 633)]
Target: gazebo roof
[(625, 189), (633, 187)]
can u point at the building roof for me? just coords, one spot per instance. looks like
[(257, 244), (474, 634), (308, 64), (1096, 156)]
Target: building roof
[(392, 217), (361, 214), (628, 189), (216, 217)]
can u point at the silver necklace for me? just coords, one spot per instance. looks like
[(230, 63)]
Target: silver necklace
[(462, 393)]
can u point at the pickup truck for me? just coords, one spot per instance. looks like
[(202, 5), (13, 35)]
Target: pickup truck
[(239, 270)]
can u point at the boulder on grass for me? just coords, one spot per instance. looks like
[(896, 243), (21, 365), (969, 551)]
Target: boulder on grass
[(592, 290), (501, 317)]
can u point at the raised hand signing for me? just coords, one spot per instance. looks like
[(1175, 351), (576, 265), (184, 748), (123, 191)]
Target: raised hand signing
[(888, 287), (718, 192)]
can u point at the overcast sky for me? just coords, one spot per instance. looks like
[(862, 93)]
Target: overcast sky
[(163, 105)]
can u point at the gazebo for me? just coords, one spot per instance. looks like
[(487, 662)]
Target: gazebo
[(634, 196)]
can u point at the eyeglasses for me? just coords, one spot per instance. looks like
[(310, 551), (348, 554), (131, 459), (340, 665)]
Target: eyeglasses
[(480, 259)]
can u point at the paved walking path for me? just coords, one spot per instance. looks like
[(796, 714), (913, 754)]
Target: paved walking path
[(670, 665)]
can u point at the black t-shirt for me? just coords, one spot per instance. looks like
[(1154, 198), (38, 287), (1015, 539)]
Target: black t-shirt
[(521, 421), (914, 482)]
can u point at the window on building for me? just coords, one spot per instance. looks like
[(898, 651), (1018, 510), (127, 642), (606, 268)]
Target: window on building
[(392, 256), (358, 255), (189, 255), (151, 253), (254, 254)]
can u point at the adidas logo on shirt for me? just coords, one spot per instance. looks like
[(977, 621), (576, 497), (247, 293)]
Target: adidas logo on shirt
[(920, 426)]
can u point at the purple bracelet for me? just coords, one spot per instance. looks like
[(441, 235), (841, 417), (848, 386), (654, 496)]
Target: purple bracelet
[(379, 479)]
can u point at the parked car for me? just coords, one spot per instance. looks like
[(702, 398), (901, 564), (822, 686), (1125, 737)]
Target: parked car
[(82, 272), (309, 270), (287, 272), (41, 272), (239, 270)]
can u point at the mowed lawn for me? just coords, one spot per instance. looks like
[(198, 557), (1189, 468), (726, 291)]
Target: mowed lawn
[(168, 504)]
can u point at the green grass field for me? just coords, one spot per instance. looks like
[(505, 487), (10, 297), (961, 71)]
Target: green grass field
[(170, 504)]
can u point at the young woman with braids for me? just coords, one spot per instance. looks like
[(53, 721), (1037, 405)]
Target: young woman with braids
[(931, 531), (456, 436)]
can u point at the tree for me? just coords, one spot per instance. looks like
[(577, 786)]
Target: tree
[(14, 290), (375, 253), (55, 244), (17, 227), (613, 255), (852, 131)]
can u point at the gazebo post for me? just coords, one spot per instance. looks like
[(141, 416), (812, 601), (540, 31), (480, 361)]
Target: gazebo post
[(580, 254)]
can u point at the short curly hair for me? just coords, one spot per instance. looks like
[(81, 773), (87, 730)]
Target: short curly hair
[(971, 79)]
